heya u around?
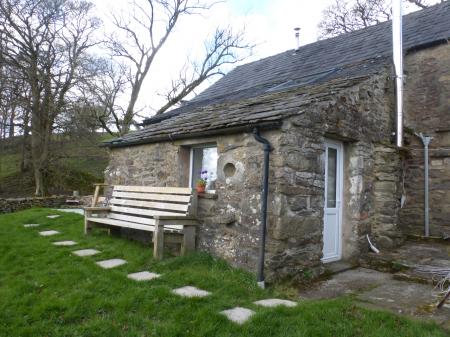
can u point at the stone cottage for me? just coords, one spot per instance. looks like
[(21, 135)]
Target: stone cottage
[(328, 111)]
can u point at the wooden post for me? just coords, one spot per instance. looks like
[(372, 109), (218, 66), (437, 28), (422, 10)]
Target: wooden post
[(188, 244), (95, 198), (87, 227), (158, 240), (97, 193)]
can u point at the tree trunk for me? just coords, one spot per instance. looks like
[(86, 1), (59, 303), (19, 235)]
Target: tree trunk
[(24, 163), (128, 117), (40, 137), (11, 122)]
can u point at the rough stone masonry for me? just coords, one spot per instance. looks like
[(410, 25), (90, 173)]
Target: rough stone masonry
[(360, 114)]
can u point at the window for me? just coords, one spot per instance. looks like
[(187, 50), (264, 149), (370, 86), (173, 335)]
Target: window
[(204, 158)]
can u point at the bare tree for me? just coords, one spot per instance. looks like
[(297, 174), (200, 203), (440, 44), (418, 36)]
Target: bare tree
[(146, 31), (223, 49), (102, 92), (344, 16), (46, 42)]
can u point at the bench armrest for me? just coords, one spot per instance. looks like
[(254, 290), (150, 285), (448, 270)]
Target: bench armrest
[(97, 208), (174, 217)]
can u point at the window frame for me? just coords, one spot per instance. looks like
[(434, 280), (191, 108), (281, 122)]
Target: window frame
[(191, 160)]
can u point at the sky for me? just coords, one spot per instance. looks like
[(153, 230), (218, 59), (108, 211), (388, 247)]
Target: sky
[(269, 24)]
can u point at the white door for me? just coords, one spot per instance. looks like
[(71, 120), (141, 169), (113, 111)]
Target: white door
[(332, 231)]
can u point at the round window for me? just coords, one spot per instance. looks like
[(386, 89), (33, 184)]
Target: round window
[(229, 170)]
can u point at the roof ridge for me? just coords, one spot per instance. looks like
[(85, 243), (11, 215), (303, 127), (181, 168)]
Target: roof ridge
[(343, 35)]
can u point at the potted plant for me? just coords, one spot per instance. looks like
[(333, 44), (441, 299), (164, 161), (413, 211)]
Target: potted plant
[(202, 182)]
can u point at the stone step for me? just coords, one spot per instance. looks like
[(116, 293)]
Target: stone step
[(384, 264), (143, 276), (48, 233), (111, 263), (238, 315), (30, 225), (86, 252), (275, 302), (65, 243), (189, 291), (338, 267)]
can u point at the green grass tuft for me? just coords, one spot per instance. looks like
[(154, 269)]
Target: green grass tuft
[(47, 291)]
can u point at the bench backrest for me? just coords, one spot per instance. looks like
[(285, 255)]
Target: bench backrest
[(130, 203)]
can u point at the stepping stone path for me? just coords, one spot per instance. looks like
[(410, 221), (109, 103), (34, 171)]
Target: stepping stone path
[(64, 243), (275, 302), (143, 276), (189, 291), (238, 315), (108, 264), (48, 233), (86, 252), (28, 225)]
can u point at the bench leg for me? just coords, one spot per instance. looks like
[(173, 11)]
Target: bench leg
[(188, 244), (158, 241), (87, 224), (87, 227)]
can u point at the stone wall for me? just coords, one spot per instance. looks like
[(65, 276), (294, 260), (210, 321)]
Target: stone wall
[(387, 192), (231, 217), (361, 117), (427, 110), (18, 204)]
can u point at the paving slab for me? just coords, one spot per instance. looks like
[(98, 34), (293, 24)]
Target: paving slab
[(379, 290), (28, 225), (238, 315), (64, 243), (71, 210), (53, 216), (190, 291), (48, 233), (86, 252), (112, 263), (275, 302), (407, 298), (143, 276), (348, 282)]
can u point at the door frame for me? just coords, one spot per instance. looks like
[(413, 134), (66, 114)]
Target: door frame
[(339, 146)]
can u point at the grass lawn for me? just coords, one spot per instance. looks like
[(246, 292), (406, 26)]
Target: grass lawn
[(47, 291)]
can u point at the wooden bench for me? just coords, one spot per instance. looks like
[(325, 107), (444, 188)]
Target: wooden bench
[(166, 211)]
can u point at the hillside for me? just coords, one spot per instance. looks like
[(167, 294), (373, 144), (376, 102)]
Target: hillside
[(77, 163)]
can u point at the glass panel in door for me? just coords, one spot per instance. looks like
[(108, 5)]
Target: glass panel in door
[(331, 178)]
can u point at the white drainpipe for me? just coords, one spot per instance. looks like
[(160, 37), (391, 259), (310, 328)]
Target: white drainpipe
[(397, 44)]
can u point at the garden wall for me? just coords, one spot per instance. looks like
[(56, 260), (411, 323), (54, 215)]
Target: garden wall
[(18, 204)]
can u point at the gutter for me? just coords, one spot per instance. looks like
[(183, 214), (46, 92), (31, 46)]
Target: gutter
[(207, 133), (264, 193)]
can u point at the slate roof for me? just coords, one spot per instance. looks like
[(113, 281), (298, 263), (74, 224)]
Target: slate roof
[(348, 56)]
